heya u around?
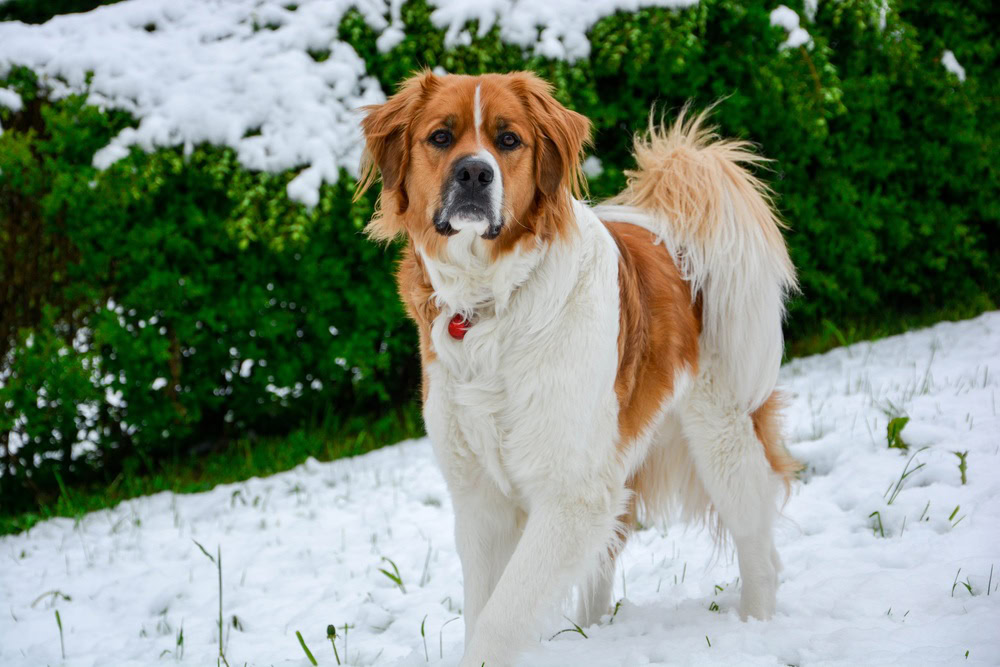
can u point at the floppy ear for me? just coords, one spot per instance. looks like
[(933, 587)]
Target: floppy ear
[(387, 138), (560, 137)]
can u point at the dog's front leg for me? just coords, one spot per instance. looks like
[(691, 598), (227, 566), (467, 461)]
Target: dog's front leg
[(564, 533), (486, 533)]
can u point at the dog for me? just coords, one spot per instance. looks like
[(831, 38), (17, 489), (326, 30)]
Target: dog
[(582, 366)]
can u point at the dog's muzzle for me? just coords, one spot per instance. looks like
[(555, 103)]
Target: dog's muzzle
[(471, 199)]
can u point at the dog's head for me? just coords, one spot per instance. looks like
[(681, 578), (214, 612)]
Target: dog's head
[(496, 154)]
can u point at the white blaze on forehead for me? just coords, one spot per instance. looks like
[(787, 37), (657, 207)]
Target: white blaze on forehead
[(477, 112)]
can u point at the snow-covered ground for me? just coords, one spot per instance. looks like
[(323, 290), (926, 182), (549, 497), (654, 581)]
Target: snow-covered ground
[(916, 583)]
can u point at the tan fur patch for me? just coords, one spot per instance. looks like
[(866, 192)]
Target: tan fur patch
[(659, 329), (767, 426)]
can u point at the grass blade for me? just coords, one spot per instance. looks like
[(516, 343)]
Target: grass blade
[(331, 634), (62, 646), (424, 637), (302, 643), (204, 551)]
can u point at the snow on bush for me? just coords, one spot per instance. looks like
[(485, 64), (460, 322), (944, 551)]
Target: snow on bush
[(236, 74), (789, 20), (951, 64), (10, 100), (269, 79), (564, 23)]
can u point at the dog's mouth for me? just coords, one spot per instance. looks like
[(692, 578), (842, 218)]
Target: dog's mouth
[(451, 220)]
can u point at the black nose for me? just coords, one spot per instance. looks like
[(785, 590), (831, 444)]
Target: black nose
[(472, 174)]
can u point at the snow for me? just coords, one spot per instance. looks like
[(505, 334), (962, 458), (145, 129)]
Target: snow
[(303, 549), (951, 64), (883, 14), (592, 166), (553, 28), (242, 73), (810, 7), (789, 20), (10, 100)]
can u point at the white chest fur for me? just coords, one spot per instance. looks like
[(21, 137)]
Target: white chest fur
[(541, 354)]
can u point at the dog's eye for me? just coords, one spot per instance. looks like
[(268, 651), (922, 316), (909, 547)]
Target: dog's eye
[(441, 138), (509, 140)]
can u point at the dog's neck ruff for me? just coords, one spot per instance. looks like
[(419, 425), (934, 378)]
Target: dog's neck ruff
[(468, 281)]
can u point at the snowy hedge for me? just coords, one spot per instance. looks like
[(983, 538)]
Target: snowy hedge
[(164, 285)]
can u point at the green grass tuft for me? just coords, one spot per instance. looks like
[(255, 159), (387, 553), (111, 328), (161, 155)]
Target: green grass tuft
[(877, 523), (893, 491), (576, 628), (302, 643), (894, 433), (962, 465), (393, 576)]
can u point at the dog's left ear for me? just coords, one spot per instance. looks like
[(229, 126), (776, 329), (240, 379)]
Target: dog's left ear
[(561, 135)]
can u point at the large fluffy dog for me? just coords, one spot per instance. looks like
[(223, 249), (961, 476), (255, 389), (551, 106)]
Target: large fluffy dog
[(581, 365)]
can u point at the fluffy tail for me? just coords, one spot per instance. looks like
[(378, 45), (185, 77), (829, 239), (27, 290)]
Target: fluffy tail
[(717, 219)]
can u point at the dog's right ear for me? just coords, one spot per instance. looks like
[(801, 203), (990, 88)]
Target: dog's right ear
[(387, 138)]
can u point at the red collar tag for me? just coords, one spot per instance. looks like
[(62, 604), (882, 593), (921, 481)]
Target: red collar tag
[(458, 326)]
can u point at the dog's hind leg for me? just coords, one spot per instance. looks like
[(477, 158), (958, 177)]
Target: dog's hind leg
[(731, 463)]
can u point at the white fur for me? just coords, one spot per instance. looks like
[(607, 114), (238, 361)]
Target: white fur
[(524, 420), (477, 113), (496, 187), (477, 225), (733, 470)]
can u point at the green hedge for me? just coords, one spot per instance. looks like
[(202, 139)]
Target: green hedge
[(168, 270), (183, 267)]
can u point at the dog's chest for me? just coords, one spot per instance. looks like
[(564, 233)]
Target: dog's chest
[(480, 403), (538, 357)]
